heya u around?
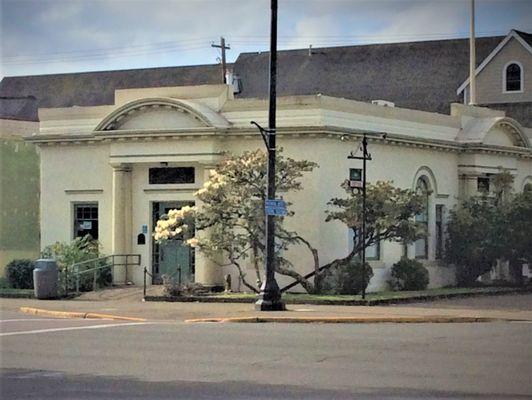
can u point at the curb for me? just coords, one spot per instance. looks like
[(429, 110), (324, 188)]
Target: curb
[(78, 315), (346, 320)]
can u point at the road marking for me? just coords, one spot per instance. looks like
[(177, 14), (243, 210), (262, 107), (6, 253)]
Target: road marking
[(73, 328), (28, 319)]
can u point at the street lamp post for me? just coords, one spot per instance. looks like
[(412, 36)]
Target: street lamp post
[(365, 157), (270, 295)]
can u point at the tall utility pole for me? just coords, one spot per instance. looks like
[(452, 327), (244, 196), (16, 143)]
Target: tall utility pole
[(472, 57), (224, 48), (270, 295)]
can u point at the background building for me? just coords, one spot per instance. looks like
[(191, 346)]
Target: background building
[(19, 180)]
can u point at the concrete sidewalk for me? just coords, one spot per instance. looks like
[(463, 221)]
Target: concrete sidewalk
[(215, 311)]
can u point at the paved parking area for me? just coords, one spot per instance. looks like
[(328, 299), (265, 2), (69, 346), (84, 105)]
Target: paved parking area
[(44, 358), (14, 324)]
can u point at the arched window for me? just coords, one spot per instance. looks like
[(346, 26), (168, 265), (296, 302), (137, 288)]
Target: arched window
[(513, 78), (421, 246)]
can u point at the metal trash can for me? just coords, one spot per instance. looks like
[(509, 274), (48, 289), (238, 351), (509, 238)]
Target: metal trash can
[(45, 279)]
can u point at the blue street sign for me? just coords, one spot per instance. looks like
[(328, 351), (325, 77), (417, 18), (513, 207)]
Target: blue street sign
[(275, 203), (275, 207), (276, 211)]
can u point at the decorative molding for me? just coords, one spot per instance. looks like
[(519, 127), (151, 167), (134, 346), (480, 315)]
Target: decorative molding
[(427, 172), (83, 191), (165, 155), (171, 190), (498, 168), (199, 112), (326, 132)]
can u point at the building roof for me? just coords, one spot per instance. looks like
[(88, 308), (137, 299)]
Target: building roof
[(98, 88), (418, 75), (527, 37), (521, 112), (19, 108)]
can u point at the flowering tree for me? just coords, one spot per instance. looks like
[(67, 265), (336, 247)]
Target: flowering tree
[(231, 220), (390, 213)]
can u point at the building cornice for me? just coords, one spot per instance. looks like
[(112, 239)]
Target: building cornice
[(298, 131)]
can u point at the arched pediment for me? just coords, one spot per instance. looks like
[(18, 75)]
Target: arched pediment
[(497, 131), (506, 132), (161, 113)]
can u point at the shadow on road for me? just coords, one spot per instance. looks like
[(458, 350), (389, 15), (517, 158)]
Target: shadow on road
[(48, 385)]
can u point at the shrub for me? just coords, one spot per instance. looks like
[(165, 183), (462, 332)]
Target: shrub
[(4, 283), (19, 274), (347, 278), (80, 249), (409, 275), (175, 289)]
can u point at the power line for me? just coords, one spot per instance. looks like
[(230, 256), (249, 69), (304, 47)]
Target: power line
[(99, 56), (107, 49), (198, 43)]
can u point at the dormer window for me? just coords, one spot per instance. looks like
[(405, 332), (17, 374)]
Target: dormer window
[(513, 78)]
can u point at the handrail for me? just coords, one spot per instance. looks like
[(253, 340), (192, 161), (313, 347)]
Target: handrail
[(111, 261), (112, 256)]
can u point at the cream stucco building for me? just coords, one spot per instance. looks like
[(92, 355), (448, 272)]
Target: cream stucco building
[(108, 160), (119, 148)]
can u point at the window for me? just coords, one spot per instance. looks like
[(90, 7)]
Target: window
[(165, 176), (373, 252), (439, 231), (86, 220), (421, 246), (513, 78), (483, 184)]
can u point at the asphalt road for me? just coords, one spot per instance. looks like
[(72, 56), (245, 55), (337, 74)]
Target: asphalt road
[(82, 359)]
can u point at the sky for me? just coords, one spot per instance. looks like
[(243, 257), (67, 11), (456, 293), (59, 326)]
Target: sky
[(56, 36)]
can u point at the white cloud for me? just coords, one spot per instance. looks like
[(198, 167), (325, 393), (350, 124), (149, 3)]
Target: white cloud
[(36, 27), (426, 20), (60, 11)]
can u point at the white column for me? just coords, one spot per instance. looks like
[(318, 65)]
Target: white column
[(121, 217), (207, 271)]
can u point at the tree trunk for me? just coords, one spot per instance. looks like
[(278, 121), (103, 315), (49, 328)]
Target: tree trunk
[(242, 276), (299, 278)]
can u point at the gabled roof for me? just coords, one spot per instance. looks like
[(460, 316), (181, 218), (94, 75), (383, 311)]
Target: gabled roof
[(417, 75), (19, 108), (522, 37), (527, 37)]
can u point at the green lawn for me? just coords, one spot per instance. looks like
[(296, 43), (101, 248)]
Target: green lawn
[(22, 293), (385, 295)]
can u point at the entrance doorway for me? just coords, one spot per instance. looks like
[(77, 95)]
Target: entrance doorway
[(172, 258)]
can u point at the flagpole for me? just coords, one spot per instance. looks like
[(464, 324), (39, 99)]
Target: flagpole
[(472, 57)]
